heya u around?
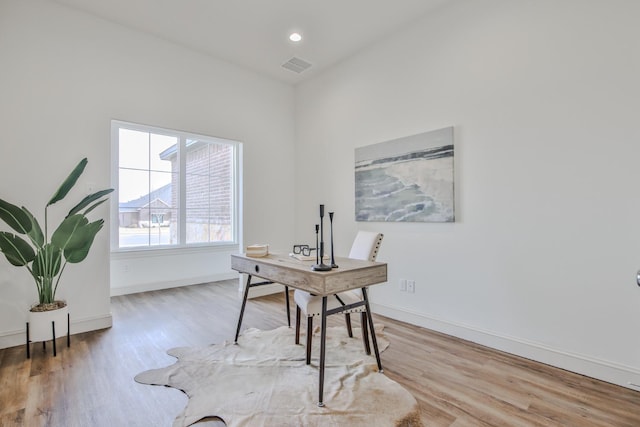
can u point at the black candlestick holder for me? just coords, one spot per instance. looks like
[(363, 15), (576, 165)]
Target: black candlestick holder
[(317, 249), (321, 266), (333, 260)]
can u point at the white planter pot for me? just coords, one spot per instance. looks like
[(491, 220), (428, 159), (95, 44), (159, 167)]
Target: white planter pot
[(40, 324)]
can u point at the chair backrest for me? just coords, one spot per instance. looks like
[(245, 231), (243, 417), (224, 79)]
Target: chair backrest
[(365, 245)]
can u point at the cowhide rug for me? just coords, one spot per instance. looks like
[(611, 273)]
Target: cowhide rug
[(264, 381)]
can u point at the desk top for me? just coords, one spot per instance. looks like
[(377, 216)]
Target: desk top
[(351, 273)]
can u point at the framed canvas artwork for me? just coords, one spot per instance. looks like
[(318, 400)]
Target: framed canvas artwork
[(407, 179)]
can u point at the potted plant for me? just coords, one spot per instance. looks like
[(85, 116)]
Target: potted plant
[(46, 255)]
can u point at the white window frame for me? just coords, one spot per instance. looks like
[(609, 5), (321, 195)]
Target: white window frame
[(182, 136)]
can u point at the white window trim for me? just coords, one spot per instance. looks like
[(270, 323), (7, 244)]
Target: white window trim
[(196, 247)]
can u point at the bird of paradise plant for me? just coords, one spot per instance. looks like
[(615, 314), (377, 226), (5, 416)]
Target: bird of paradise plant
[(44, 255)]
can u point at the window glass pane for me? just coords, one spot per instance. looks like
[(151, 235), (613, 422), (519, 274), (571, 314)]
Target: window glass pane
[(164, 153), (161, 186), (135, 235), (159, 231), (209, 191), (197, 225), (221, 192), (197, 191), (133, 188), (133, 149), (173, 225), (160, 205), (197, 195)]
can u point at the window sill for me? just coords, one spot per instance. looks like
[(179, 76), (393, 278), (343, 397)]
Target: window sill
[(172, 251)]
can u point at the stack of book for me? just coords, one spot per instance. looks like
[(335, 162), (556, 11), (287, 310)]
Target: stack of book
[(303, 257), (257, 251)]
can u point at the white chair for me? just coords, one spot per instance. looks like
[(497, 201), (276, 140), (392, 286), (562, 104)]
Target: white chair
[(365, 247)]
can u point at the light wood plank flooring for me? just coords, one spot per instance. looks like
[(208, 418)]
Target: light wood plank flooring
[(457, 383)]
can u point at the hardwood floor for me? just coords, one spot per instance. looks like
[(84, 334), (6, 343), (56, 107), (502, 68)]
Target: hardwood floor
[(457, 383)]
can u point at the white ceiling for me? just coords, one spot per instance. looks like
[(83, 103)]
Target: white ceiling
[(254, 33)]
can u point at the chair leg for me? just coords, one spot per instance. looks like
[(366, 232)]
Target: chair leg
[(297, 324), (365, 332), (347, 318), (309, 335)]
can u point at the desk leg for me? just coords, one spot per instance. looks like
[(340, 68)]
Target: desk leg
[(286, 296), (244, 302), (373, 331), (323, 339)]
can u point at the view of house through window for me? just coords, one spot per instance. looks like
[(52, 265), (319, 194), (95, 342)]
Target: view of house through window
[(174, 188)]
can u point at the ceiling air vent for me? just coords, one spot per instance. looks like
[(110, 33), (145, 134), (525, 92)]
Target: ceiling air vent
[(296, 65)]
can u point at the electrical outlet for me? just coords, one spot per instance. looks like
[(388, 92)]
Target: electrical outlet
[(403, 285), (411, 286)]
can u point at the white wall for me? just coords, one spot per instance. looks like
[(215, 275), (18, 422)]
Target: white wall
[(63, 76), (543, 96)]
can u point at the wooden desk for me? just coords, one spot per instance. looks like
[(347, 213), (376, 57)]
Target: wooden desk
[(352, 274)]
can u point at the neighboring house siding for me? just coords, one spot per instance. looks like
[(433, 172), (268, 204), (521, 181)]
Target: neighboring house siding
[(137, 213), (209, 196)]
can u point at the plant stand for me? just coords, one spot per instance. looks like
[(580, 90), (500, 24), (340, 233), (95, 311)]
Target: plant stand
[(53, 337)]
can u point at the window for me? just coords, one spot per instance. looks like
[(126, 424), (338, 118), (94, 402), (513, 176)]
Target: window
[(174, 188)]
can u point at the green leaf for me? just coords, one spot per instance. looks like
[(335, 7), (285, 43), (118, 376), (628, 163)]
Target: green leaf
[(68, 234), (95, 205), (47, 261), (36, 235), (87, 200), (75, 236), (16, 249), (86, 235), (69, 182), (15, 217)]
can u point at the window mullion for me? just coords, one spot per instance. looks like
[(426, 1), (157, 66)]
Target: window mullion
[(182, 193), (149, 186)]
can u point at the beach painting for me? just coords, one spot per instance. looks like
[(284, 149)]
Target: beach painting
[(408, 179)]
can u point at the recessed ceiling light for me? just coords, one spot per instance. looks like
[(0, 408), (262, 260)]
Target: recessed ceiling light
[(295, 37)]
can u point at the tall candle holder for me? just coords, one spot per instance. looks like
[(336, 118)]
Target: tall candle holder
[(333, 260), (317, 249), (321, 266)]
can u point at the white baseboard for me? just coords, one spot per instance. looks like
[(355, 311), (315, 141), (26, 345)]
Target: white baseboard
[(611, 372), (156, 286), (16, 338)]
